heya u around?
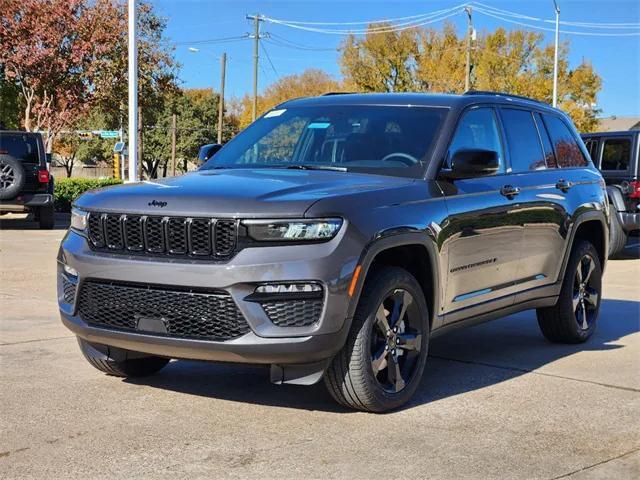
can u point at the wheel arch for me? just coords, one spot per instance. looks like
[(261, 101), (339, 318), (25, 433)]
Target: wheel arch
[(593, 227), (413, 251)]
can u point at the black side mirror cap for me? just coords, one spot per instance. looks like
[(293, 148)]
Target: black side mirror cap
[(472, 163), (208, 151)]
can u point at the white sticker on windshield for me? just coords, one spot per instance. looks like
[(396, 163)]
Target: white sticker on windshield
[(275, 113)]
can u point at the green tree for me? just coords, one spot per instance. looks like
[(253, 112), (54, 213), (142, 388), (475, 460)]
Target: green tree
[(10, 103)]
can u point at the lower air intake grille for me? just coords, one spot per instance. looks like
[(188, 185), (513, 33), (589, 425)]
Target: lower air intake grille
[(210, 315), (297, 313)]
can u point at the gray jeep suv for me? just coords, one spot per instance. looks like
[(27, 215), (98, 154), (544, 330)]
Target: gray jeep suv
[(336, 235)]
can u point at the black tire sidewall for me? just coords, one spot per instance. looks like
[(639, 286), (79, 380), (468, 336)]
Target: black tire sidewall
[(383, 283), (20, 177)]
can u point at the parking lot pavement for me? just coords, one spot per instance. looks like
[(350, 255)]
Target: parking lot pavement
[(496, 401)]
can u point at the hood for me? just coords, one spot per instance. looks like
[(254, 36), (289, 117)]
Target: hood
[(242, 193)]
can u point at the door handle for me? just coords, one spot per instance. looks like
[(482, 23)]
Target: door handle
[(509, 191), (564, 185)]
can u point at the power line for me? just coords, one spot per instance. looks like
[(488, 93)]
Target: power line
[(211, 40), (285, 42), (264, 49)]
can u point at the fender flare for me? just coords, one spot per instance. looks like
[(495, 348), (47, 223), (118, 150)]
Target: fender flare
[(614, 192), (397, 239), (582, 218)]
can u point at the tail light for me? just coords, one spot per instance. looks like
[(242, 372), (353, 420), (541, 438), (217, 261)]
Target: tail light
[(634, 189), (43, 176)]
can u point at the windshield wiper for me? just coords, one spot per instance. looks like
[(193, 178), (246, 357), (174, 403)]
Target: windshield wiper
[(318, 167)]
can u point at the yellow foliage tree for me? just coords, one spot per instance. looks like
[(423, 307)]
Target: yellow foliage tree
[(431, 60), (310, 83)]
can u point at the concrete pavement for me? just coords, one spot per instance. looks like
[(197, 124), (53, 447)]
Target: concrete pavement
[(496, 401)]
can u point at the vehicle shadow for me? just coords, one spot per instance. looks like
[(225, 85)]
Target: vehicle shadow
[(460, 362), (15, 221)]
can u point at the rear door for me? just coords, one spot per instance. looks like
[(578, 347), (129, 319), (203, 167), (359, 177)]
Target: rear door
[(542, 210), (483, 238)]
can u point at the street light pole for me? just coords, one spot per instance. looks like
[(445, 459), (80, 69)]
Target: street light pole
[(223, 66), (555, 58), (133, 94), (467, 78)]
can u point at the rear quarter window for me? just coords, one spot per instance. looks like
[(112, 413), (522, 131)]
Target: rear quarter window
[(525, 149), (565, 145), (20, 147), (616, 154)]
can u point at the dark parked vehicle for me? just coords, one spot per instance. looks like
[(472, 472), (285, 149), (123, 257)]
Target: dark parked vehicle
[(336, 235), (617, 155), (25, 182)]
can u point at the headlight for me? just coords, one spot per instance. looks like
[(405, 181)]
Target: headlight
[(293, 230), (78, 220)]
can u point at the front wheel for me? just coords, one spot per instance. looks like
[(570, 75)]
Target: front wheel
[(573, 318), (120, 363), (381, 364)]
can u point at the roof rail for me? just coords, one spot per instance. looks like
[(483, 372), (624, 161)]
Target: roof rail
[(502, 94), (336, 93)]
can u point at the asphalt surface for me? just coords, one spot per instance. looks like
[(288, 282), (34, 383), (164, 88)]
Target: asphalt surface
[(496, 401)]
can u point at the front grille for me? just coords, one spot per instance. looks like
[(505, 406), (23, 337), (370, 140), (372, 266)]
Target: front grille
[(210, 315), (169, 236), (296, 313)]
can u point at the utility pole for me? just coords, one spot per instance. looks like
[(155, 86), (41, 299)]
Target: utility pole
[(256, 44), (133, 93), (467, 78), (555, 58), (223, 66), (174, 121), (140, 153)]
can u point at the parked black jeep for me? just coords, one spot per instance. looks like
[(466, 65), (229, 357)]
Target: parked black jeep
[(25, 182), (616, 154)]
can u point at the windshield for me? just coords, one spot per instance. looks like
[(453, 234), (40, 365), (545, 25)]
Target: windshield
[(386, 140)]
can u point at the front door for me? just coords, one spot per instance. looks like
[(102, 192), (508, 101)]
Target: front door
[(483, 236)]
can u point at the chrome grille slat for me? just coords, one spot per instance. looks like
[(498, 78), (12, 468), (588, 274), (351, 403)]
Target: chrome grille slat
[(170, 236)]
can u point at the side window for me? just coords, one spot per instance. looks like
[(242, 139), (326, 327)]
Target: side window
[(525, 150), (616, 153), (478, 129), (549, 157), (568, 153)]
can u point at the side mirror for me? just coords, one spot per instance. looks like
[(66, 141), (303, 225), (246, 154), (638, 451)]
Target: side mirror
[(208, 151), (48, 157), (471, 163)]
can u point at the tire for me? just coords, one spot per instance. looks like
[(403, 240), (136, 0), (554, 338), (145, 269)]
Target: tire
[(617, 236), (12, 177), (46, 217), (350, 377), (574, 317), (137, 366)]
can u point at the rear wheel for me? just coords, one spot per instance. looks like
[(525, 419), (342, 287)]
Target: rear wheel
[(573, 318), (381, 364), (617, 235)]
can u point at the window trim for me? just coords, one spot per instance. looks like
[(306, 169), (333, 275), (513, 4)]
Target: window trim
[(603, 140)]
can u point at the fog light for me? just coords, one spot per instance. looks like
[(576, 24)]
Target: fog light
[(70, 270), (289, 288)]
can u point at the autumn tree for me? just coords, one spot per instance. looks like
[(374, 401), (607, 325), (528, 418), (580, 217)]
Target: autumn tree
[(382, 61), (309, 83), (53, 50), (513, 62), (66, 150)]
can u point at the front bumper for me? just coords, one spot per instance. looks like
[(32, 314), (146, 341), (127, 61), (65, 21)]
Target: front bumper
[(24, 202), (331, 264)]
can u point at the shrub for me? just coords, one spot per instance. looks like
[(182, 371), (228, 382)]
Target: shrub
[(68, 189)]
